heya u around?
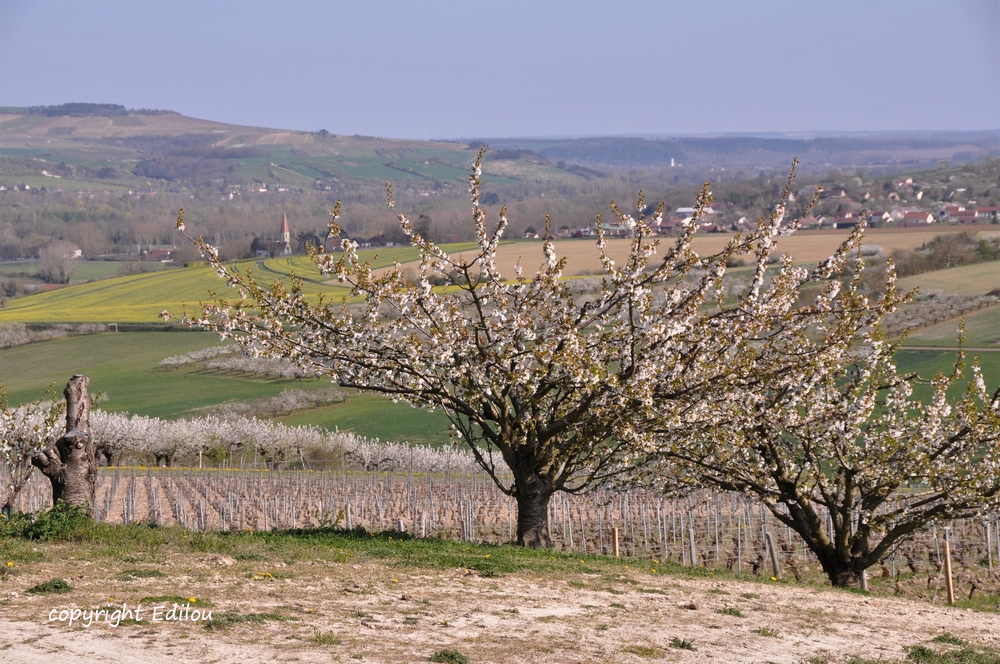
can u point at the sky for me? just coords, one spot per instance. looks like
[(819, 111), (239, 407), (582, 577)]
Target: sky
[(512, 68)]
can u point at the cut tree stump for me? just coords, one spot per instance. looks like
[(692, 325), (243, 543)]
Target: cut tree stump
[(70, 463)]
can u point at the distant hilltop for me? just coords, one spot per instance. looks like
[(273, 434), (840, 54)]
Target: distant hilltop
[(82, 110)]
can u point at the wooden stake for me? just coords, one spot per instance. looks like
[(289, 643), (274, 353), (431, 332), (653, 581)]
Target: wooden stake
[(949, 584), (774, 555), (614, 541)]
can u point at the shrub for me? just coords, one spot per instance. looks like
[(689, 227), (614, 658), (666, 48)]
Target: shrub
[(49, 587), (449, 657)]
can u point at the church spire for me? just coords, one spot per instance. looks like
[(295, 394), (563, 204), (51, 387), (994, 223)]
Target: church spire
[(286, 235)]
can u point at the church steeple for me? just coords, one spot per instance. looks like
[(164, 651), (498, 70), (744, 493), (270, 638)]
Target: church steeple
[(286, 235)]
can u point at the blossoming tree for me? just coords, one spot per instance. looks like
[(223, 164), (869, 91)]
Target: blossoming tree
[(844, 455), (552, 389), (24, 431)]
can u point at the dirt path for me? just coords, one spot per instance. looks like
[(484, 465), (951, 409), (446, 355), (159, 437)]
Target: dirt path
[(374, 613)]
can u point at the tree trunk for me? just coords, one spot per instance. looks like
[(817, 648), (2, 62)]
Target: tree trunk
[(532, 495), (841, 574), (70, 463)]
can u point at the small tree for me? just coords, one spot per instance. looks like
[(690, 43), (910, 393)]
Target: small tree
[(24, 431), (423, 227), (70, 462), (841, 453), (56, 262), (541, 379)]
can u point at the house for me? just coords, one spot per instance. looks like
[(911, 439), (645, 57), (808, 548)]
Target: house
[(949, 212), (988, 214), (161, 255), (917, 219), (899, 213), (965, 217), (844, 220)]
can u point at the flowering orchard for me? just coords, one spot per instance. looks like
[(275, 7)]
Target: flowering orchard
[(549, 389)]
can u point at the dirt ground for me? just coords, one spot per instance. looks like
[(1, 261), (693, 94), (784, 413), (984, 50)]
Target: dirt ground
[(376, 613)]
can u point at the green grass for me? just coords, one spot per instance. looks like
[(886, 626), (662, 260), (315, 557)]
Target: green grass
[(681, 644), (83, 272), (227, 619), (125, 365), (146, 545), (929, 362), (767, 631), (53, 586), (449, 657), (982, 329), (374, 416), (646, 652)]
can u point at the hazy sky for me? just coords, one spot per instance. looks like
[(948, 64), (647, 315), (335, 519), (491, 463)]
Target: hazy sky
[(471, 69)]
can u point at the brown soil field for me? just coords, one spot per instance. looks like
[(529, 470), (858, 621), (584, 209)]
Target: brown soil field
[(372, 612), (805, 247)]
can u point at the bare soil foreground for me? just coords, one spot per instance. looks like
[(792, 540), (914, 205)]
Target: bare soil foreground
[(322, 610)]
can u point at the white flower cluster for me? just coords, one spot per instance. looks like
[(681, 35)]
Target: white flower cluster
[(122, 435), (25, 431), (197, 356)]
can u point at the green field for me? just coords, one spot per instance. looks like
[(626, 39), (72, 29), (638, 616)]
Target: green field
[(83, 271), (975, 279), (126, 367), (140, 298), (374, 416), (982, 329)]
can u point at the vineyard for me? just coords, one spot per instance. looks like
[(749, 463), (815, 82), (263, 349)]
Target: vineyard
[(711, 530)]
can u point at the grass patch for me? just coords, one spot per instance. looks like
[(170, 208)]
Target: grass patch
[(644, 651), (681, 644), (227, 619), (730, 611), (131, 574), (948, 638), (177, 599), (325, 638), (53, 586), (767, 631), (449, 657)]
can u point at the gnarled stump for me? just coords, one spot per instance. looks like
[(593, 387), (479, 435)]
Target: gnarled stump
[(70, 464)]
